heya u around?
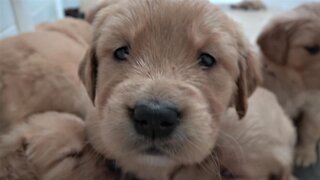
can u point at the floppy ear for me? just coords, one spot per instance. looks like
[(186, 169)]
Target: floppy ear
[(273, 42), (91, 14), (274, 39), (88, 72), (250, 77)]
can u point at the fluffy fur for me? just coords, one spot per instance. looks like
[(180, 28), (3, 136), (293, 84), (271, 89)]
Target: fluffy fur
[(49, 146), (290, 48), (38, 72), (250, 149), (42, 104), (163, 65)]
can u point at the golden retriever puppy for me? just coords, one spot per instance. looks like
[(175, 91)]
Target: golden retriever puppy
[(259, 147), (161, 73), (290, 47), (49, 146), (38, 72)]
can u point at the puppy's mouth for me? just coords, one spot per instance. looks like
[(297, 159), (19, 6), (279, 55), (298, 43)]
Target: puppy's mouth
[(154, 151)]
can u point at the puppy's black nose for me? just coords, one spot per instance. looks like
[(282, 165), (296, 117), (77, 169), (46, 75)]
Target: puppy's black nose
[(155, 119)]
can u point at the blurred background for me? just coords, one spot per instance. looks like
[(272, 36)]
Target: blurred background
[(18, 16)]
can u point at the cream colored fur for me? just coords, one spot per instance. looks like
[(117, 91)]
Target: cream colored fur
[(290, 52)]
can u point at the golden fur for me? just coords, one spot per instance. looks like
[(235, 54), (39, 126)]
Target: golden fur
[(49, 146), (38, 72), (290, 45), (42, 104), (250, 149), (163, 64)]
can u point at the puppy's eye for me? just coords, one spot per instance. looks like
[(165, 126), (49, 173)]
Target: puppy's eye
[(312, 50), (207, 61), (226, 174), (74, 154), (121, 54)]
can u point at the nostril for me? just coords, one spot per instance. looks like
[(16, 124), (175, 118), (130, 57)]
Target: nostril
[(154, 119), (166, 124), (143, 123)]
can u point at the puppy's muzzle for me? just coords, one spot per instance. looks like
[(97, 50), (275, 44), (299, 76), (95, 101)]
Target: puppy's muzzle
[(155, 119)]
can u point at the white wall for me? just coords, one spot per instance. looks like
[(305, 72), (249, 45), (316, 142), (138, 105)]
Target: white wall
[(18, 16), (7, 21)]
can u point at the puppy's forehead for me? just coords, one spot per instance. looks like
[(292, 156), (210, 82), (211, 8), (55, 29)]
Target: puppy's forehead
[(174, 23), (307, 33)]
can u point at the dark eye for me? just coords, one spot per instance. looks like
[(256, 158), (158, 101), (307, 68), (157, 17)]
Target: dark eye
[(207, 61), (226, 174), (75, 155), (121, 54), (312, 50)]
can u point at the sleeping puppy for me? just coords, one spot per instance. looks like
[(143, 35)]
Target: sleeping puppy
[(38, 72), (250, 149), (161, 84), (49, 146), (290, 47)]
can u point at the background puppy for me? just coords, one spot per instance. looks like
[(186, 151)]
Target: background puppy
[(49, 146), (38, 72), (160, 84), (251, 148), (290, 46), (42, 103), (77, 30)]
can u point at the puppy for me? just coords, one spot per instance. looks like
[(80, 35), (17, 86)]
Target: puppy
[(49, 146), (290, 49), (38, 72), (250, 149), (161, 84)]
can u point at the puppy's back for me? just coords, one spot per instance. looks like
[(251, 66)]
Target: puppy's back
[(38, 72)]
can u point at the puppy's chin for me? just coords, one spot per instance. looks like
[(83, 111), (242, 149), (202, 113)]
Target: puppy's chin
[(155, 160), (112, 132)]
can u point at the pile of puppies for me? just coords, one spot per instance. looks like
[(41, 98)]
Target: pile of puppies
[(174, 95)]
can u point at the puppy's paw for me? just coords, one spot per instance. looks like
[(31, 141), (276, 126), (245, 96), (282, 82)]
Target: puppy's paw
[(305, 156)]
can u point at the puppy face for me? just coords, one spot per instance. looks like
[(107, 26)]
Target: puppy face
[(160, 74), (292, 41)]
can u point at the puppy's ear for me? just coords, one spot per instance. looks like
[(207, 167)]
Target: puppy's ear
[(250, 77), (88, 72), (275, 38), (92, 13)]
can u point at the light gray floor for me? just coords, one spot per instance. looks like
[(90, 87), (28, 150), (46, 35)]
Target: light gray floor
[(252, 23)]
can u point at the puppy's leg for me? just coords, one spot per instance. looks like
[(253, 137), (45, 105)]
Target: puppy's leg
[(308, 133)]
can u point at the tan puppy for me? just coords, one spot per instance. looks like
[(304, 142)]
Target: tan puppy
[(38, 72), (161, 84), (49, 146), (290, 46), (259, 147)]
